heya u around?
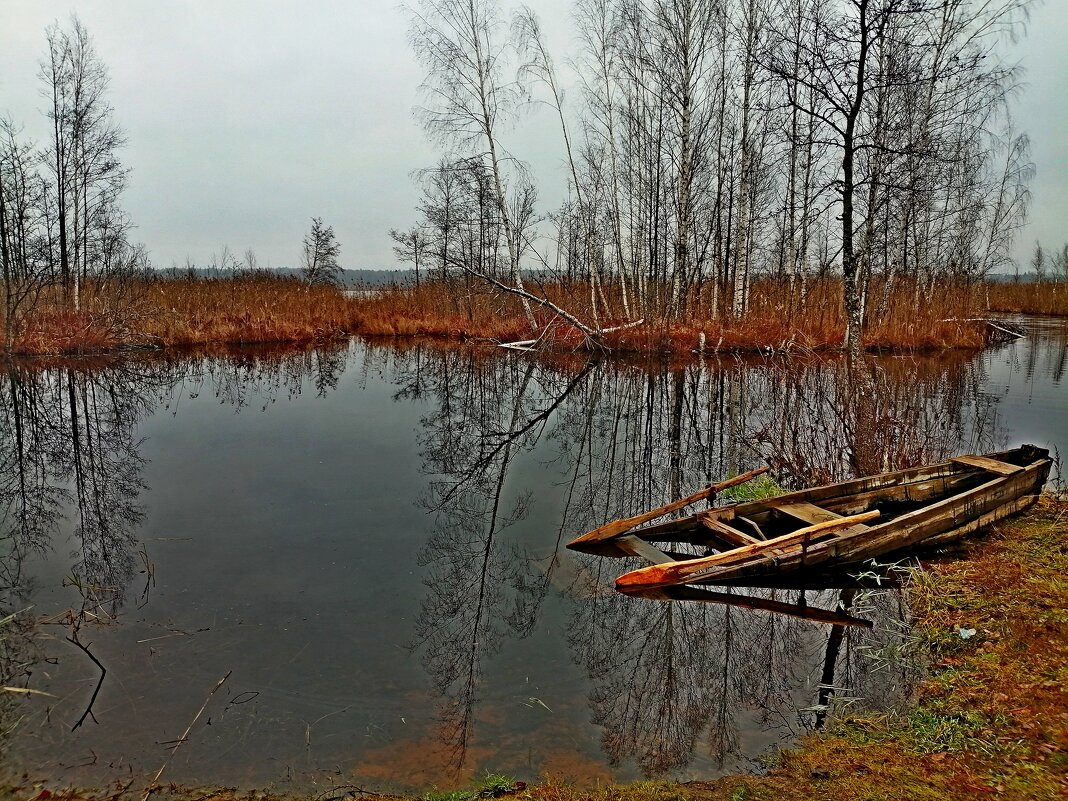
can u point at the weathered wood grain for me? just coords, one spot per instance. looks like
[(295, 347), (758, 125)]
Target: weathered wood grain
[(692, 570), (986, 463), (617, 527)]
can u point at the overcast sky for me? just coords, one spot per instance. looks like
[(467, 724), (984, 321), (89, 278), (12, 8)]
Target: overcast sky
[(247, 117)]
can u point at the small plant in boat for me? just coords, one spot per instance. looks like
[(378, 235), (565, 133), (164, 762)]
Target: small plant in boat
[(759, 489)]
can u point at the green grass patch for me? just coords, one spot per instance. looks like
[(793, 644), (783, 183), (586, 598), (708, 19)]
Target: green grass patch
[(488, 785), (757, 489)]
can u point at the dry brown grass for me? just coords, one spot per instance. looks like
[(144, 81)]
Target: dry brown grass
[(1039, 297), (189, 311), (774, 320), (253, 309)]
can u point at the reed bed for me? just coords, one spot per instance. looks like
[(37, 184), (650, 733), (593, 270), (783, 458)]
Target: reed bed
[(259, 309), (777, 318), (1035, 297), (243, 310), (187, 311)]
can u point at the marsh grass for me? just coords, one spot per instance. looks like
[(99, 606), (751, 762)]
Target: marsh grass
[(777, 319), (1034, 297), (757, 489), (488, 785), (260, 308)]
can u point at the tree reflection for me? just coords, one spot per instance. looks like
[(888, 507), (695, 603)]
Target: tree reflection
[(673, 678), (830, 422), (481, 588), (669, 679), (71, 459)]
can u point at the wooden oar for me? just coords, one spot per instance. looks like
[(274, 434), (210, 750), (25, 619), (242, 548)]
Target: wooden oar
[(617, 527), (815, 613), (690, 571)]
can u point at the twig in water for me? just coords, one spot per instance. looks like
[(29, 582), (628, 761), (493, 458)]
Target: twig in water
[(100, 682), (152, 785), (150, 575), (348, 791)]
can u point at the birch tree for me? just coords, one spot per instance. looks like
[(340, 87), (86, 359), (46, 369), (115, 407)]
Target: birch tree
[(461, 48), (86, 175)]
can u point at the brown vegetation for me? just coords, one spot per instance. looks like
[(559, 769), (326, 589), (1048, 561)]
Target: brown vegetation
[(258, 308), (776, 319), (189, 311), (1032, 297)]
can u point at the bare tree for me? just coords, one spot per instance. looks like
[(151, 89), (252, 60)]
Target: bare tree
[(726, 139), (87, 177), (1038, 262), (319, 263), (898, 80), (459, 43), (412, 245), (1060, 262), (23, 242)]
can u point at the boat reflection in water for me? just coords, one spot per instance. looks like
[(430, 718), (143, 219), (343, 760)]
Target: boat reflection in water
[(838, 618), (684, 675)]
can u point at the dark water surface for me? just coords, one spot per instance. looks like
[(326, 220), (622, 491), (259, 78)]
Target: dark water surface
[(368, 543)]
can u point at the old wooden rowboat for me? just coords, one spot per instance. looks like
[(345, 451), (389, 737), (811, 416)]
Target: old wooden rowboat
[(825, 527)]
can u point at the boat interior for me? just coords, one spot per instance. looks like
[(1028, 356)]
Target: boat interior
[(891, 495)]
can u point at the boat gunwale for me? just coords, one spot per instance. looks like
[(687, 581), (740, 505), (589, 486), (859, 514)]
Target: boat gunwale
[(820, 552), (853, 487)]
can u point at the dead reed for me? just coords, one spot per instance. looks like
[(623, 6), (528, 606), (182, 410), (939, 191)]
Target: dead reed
[(188, 311), (259, 308), (1033, 297), (778, 318)]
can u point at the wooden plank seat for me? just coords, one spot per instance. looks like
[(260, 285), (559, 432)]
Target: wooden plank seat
[(728, 534), (988, 464), (636, 546), (808, 512), (813, 515)]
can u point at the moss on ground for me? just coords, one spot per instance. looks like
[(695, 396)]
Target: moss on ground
[(991, 720)]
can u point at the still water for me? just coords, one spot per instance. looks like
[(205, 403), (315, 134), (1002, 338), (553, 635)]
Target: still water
[(367, 543)]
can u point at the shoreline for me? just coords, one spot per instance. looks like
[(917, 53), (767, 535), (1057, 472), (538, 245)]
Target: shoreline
[(177, 313), (990, 719)]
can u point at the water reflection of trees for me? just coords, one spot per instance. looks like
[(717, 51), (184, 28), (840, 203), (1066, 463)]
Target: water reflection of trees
[(71, 458), (669, 679), (673, 679), (69, 445), (482, 588), (669, 675), (825, 423)]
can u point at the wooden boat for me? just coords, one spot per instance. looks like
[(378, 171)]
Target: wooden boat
[(823, 528)]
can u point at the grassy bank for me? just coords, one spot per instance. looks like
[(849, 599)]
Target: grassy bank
[(257, 308), (991, 719)]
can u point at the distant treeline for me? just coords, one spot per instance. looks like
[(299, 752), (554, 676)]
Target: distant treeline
[(347, 279)]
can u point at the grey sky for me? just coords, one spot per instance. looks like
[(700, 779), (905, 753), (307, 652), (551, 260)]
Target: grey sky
[(245, 118)]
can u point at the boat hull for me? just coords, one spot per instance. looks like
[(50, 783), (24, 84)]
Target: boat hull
[(931, 505)]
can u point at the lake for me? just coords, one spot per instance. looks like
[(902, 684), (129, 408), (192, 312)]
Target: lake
[(366, 543)]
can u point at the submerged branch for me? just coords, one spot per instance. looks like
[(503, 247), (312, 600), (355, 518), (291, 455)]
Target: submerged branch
[(100, 682)]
